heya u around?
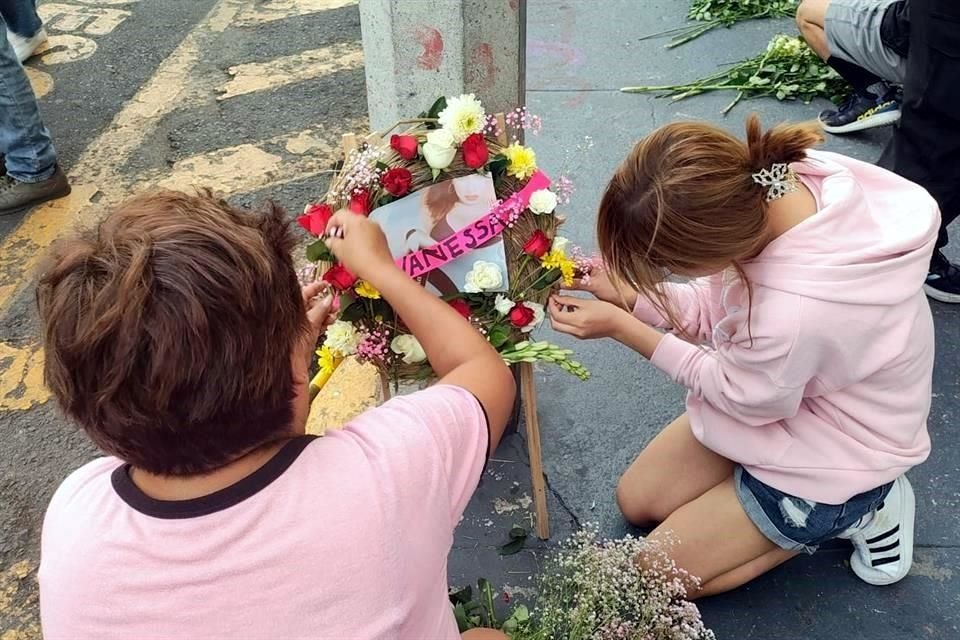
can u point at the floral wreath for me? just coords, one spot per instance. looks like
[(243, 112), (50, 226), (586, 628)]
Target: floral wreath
[(454, 138)]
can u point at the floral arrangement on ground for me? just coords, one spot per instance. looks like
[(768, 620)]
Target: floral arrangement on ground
[(596, 589), (787, 69), (468, 213)]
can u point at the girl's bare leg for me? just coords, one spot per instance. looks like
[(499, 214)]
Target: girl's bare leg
[(671, 471), (714, 539)]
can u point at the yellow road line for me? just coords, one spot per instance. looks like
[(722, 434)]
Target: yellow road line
[(102, 162), (257, 76), (247, 167), (282, 9), (21, 377)]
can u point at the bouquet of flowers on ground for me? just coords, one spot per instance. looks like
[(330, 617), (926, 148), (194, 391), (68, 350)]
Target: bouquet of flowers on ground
[(468, 213), (787, 70), (594, 589)]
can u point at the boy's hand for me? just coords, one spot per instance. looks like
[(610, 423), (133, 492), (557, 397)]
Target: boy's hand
[(586, 319), (359, 244), (318, 299)]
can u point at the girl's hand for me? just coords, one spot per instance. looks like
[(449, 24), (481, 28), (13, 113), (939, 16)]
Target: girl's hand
[(586, 319), (601, 286), (359, 245)]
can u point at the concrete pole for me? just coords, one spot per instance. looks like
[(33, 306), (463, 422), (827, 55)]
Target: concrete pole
[(418, 50)]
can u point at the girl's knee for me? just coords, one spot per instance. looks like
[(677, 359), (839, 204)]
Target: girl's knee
[(638, 506)]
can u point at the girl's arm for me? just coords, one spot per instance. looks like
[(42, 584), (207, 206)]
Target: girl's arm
[(693, 302)]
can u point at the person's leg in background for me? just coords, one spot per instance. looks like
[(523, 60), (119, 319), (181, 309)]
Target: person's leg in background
[(872, 103), (24, 28), (32, 174), (925, 147)]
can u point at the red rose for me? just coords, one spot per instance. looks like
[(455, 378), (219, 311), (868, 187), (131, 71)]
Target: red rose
[(339, 277), (315, 218), (538, 245), (405, 146), (521, 315), (461, 306), (475, 152), (397, 181), (360, 202)]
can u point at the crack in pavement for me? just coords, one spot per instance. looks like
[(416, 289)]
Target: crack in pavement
[(525, 460)]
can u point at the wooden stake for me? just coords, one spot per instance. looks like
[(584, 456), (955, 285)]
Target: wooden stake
[(502, 139), (349, 142), (528, 390)]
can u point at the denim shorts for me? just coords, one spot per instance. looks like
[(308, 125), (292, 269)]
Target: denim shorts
[(796, 524)]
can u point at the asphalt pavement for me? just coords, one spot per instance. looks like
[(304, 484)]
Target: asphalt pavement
[(251, 97)]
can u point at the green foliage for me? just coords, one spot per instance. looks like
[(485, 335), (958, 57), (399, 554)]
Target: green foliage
[(787, 70), (725, 13)]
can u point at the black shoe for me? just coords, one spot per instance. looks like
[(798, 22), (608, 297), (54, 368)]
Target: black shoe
[(943, 281), (861, 111), (16, 196)]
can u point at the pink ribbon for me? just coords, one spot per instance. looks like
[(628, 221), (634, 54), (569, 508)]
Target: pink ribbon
[(473, 236)]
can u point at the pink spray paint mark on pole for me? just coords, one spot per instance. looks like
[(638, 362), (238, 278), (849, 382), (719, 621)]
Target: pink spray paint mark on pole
[(432, 42)]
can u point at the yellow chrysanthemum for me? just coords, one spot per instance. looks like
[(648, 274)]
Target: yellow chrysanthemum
[(522, 161), (327, 359), (366, 290), (557, 259)]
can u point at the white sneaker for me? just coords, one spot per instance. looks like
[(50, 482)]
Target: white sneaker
[(26, 47), (883, 547)]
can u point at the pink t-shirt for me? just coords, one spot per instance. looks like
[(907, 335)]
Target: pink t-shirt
[(344, 536)]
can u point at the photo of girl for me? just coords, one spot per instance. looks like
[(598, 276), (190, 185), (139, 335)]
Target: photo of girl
[(435, 213)]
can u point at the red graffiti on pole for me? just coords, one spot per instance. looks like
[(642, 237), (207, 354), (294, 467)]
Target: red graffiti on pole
[(432, 43), (483, 72)]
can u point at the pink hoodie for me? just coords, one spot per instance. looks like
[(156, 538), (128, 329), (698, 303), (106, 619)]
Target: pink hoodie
[(831, 396)]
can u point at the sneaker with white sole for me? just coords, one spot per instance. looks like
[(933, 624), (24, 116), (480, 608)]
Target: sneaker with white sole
[(26, 47), (883, 545), (861, 112)]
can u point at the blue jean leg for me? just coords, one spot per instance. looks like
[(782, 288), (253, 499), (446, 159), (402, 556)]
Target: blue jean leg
[(21, 17), (24, 141)]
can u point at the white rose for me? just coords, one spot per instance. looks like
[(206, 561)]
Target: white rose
[(543, 201), (538, 316), (503, 304), (560, 244), (342, 338), (483, 277), (439, 149), (409, 347)]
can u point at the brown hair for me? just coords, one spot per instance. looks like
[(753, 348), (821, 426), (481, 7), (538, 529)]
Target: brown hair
[(439, 200), (169, 329), (685, 201)]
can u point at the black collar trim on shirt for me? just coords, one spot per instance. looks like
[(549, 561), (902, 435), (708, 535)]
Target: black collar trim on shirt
[(214, 502)]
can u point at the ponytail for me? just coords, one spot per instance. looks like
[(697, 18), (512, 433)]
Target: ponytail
[(784, 143)]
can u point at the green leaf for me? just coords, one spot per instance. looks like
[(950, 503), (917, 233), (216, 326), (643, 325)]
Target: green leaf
[(350, 309), (437, 107), (498, 336), (518, 539), (385, 199), (318, 251), (461, 596), (383, 166), (547, 279), (498, 167), (435, 173)]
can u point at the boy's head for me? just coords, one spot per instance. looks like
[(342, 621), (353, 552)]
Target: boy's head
[(169, 331)]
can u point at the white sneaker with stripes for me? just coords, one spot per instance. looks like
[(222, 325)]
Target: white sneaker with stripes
[(883, 545)]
